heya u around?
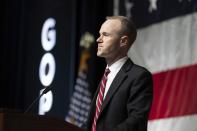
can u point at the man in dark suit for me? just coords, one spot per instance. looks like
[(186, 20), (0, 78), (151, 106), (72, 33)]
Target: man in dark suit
[(123, 99)]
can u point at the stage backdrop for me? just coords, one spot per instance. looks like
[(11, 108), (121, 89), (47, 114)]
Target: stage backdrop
[(42, 50), (38, 52)]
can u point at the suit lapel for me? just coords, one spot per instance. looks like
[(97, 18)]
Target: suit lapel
[(120, 77), (114, 86)]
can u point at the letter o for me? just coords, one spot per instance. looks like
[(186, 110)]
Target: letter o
[(47, 77)]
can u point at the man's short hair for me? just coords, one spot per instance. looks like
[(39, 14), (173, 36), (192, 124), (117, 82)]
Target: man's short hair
[(128, 27)]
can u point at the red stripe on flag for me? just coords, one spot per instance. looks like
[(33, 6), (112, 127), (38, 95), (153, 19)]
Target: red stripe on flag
[(175, 93)]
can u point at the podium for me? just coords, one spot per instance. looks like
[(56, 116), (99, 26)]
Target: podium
[(13, 121)]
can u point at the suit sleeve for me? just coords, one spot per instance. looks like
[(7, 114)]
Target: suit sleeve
[(138, 104)]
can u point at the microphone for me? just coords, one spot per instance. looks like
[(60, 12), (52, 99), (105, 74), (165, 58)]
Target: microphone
[(33, 103)]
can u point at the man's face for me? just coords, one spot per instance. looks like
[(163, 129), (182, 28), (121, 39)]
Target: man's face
[(109, 40)]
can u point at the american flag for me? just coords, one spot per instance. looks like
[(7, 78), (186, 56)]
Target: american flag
[(167, 46)]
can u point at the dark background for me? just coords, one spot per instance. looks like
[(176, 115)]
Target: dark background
[(21, 49)]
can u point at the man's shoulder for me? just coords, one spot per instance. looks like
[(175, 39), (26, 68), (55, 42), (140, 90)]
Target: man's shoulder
[(138, 69), (138, 72), (135, 66)]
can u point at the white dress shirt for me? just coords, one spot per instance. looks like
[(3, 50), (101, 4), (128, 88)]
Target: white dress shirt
[(114, 69)]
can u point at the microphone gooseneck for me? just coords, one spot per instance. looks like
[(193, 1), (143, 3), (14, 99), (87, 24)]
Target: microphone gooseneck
[(33, 103)]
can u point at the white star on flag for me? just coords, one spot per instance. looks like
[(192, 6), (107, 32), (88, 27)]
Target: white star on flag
[(128, 5), (152, 6)]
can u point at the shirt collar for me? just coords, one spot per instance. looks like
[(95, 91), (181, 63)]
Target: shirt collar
[(117, 64)]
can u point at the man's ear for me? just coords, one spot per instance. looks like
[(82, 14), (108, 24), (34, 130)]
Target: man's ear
[(124, 41)]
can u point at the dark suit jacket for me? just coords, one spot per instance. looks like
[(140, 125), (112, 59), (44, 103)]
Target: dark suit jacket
[(127, 103)]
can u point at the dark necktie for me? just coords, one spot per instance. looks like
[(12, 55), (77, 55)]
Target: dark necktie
[(100, 98)]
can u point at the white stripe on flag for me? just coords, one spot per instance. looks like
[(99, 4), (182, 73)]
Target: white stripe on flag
[(183, 123), (167, 45)]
